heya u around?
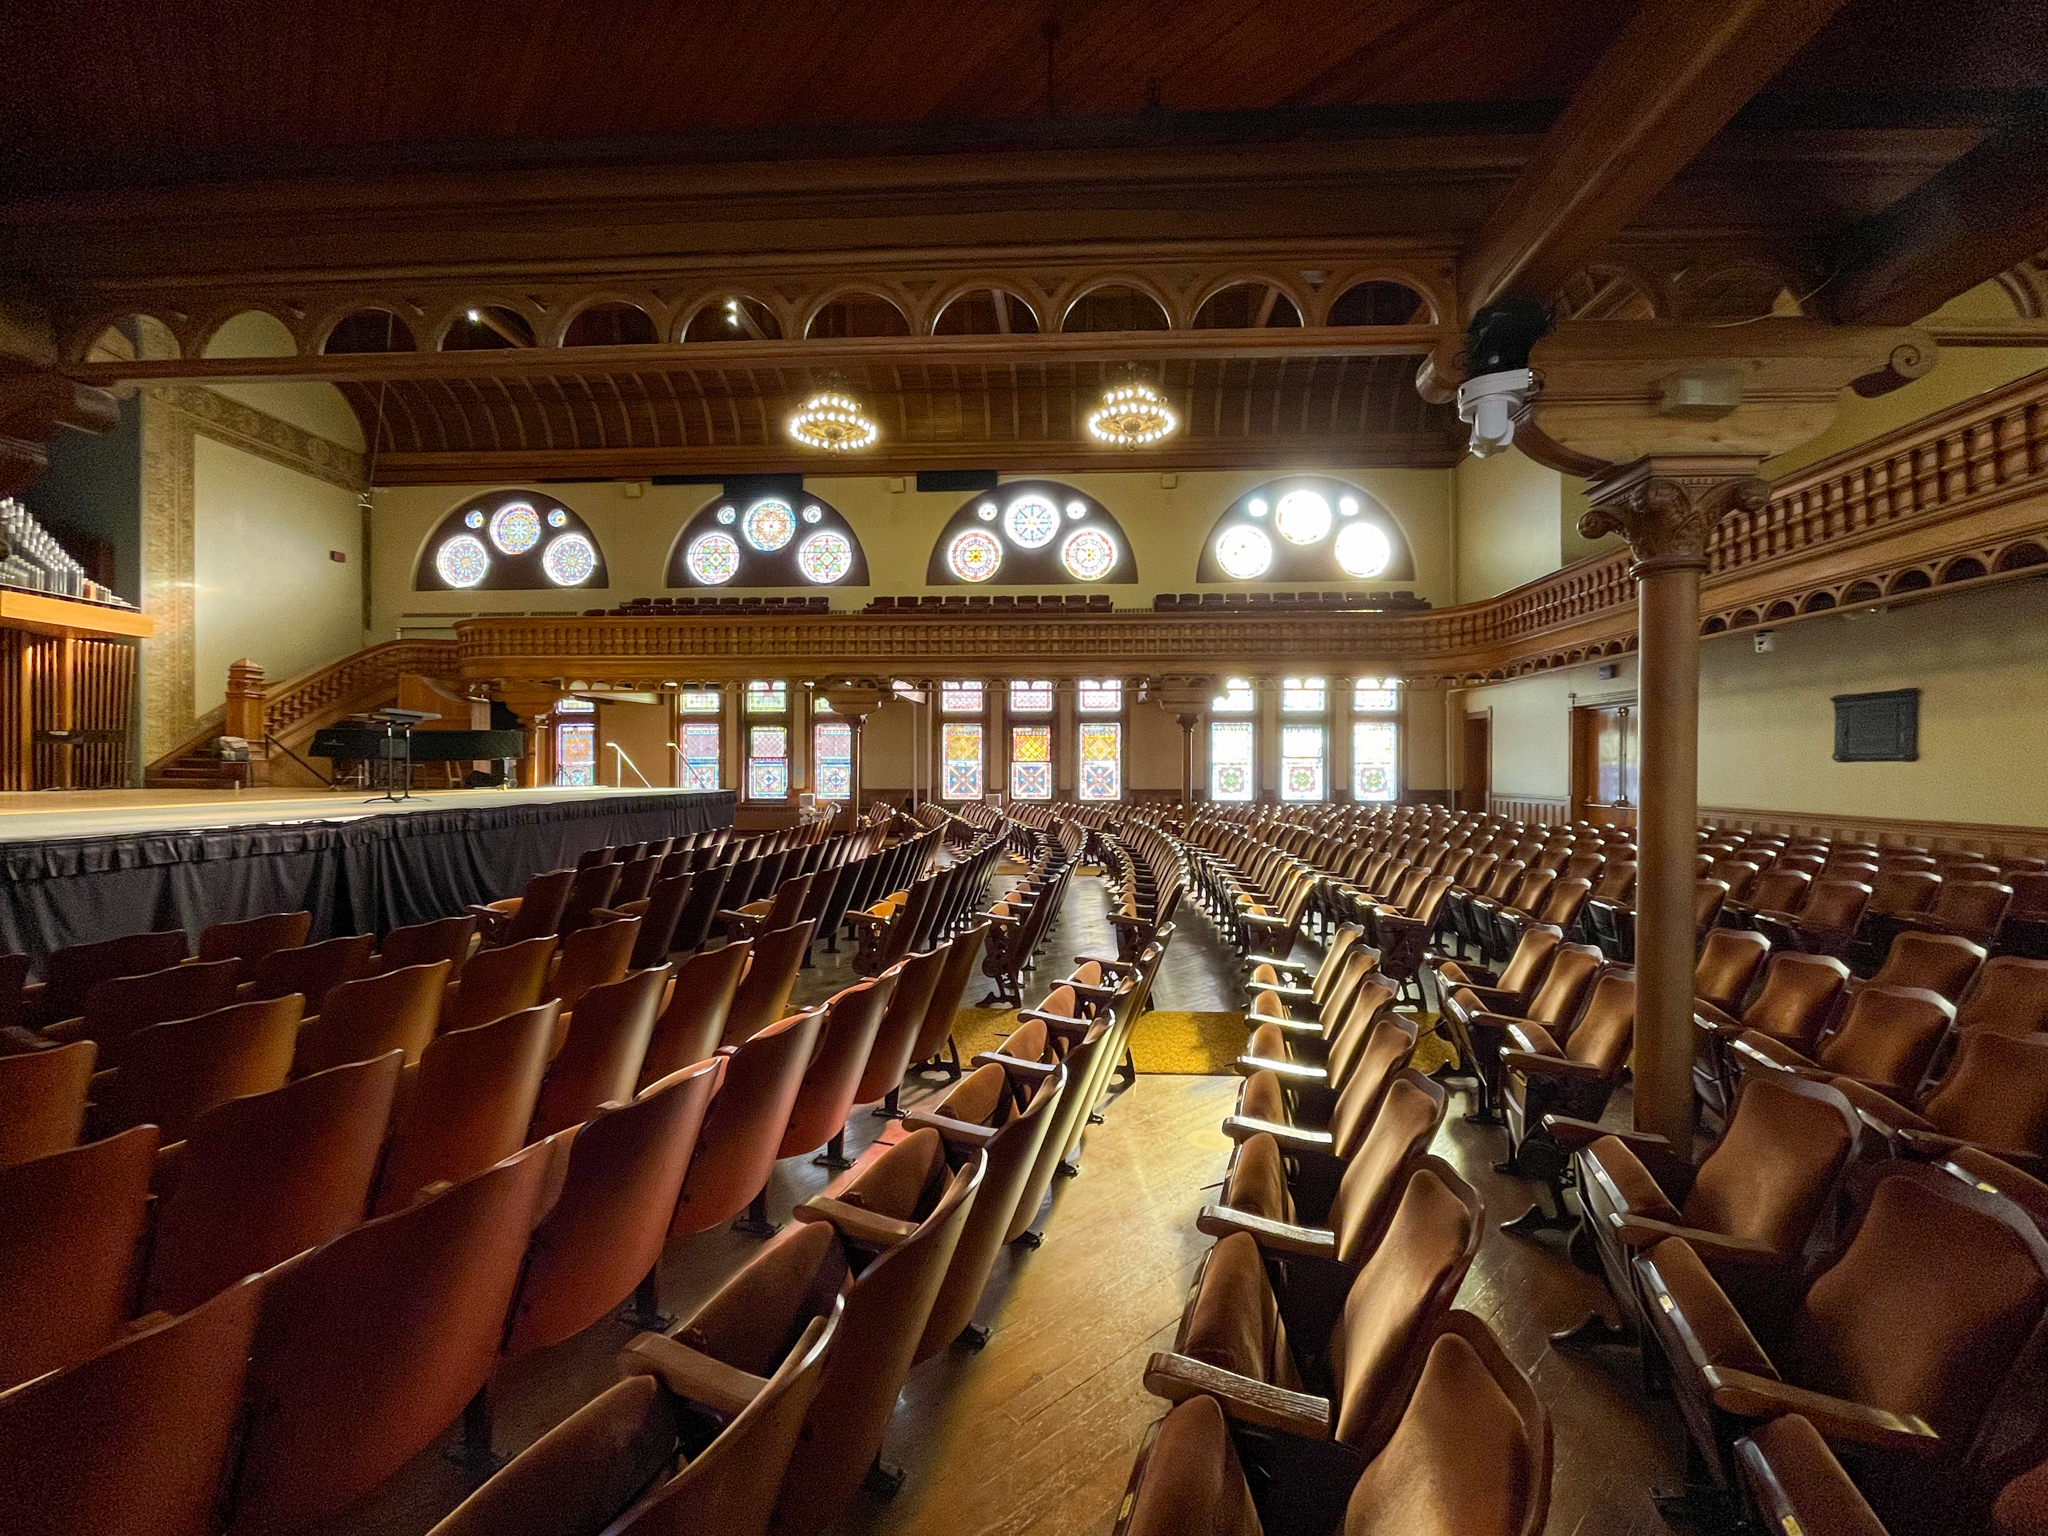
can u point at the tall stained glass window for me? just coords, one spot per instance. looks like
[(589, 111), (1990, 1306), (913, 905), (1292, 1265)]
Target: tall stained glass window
[(1376, 739), (832, 759), (1030, 762), (1232, 747), (1102, 760), (697, 746), (576, 752), (768, 762), (961, 760), (1304, 750)]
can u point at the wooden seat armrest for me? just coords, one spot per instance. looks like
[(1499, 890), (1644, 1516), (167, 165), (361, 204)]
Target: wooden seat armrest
[(1401, 920), (1265, 920), (1071, 1020), (1495, 1000), (1749, 1396), (1286, 991), (1532, 1064), (1128, 920), (64, 1031), (871, 919), (1277, 1236), (1572, 1134), (957, 1133), (1090, 988), (1753, 1055), (739, 914), (1017, 1066), (855, 1223), (1492, 1020), (1480, 978), (1303, 1029), (690, 1373), (1290, 1073), (1107, 962), (1003, 918), (1177, 1378), (1291, 1138), (1707, 1016), (1638, 1231), (1673, 1174), (1292, 967), (1932, 1144)]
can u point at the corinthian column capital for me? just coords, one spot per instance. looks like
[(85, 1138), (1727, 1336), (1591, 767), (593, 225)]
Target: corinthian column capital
[(1667, 508)]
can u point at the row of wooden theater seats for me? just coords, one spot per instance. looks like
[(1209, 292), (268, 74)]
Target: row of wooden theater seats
[(1021, 916), (1795, 1224), (248, 1201), (1144, 873), (1321, 1378), (778, 1391), (934, 903)]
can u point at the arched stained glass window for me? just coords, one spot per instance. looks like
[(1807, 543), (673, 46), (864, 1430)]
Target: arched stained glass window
[(510, 541), (767, 532), (1031, 533), (1306, 528)]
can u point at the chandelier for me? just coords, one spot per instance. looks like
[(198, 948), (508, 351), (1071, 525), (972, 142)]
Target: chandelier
[(833, 420), (1132, 415)]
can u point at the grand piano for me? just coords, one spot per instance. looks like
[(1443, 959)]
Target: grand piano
[(367, 742)]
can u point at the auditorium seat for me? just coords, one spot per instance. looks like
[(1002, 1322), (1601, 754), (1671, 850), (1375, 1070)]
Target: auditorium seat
[(1995, 1096), (743, 1128), (311, 971), (116, 1009), (1727, 967), (1900, 1347), (1708, 897), (1778, 890), (1326, 1044), (635, 881), (1507, 990), (624, 1168), (1303, 986), (1084, 1064), (138, 1437), (916, 980), (825, 1097), (599, 1060), (71, 1230), (398, 1010), (261, 1178), (497, 982), (1795, 1484), (693, 1023), (1471, 1455), (42, 1100), (763, 995), (660, 911), (1799, 996), (1348, 1360), (447, 938), (2009, 995), (594, 956), (69, 974), (897, 1266), (173, 1073), (1313, 1116), (980, 1116), (1748, 1209), (1940, 962), (467, 1104), (251, 939), (1826, 925), (346, 1383), (1886, 1041), (1543, 1075), (767, 915), (590, 888), (700, 911), (533, 914), (1479, 1031)]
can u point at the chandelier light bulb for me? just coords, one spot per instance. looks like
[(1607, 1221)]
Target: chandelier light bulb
[(1131, 416), (835, 422)]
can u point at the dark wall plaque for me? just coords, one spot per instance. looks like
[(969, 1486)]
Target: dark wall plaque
[(1878, 727)]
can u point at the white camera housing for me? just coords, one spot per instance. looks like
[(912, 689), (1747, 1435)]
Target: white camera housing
[(1765, 641), (1491, 403)]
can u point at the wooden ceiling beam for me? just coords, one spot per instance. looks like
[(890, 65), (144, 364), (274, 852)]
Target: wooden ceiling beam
[(877, 352), (1979, 216)]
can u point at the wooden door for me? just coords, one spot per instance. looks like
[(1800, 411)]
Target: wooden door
[(1605, 764), (1476, 760)]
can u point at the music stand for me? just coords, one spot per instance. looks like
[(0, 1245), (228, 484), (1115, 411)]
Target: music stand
[(398, 724)]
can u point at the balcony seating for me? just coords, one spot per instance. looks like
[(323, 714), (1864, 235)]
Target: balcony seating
[(497, 982), (1471, 1454), (261, 1178), (173, 1073), (253, 938), (396, 1010), (599, 1061), (763, 995), (74, 1224), (743, 1128), (692, 1025), (1748, 1209), (44, 1093), (468, 1103)]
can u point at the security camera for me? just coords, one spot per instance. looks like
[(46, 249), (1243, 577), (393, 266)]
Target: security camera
[(1765, 641), (1498, 383)]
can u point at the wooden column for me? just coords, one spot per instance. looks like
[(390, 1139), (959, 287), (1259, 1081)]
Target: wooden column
[(534, 705), (1667, 509), (853, 700), (1185, 698)]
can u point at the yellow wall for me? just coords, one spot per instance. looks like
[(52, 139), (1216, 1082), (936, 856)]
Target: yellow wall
[(266, 587), (1507, 511), (1166, 527), (1531, 725)]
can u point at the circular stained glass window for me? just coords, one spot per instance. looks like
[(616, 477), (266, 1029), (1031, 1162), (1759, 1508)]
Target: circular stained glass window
[(726, 515), (1363, 550), (986, 511), (557, 518), (1303, 517), (975, 555), (570, 560), (1244, 553), (1088, 555), (462, 561), (769, 525), (474, 520), (1077, 510), (713, 558), (824, 557), (515, 528), (813, 514), (1031, 521)]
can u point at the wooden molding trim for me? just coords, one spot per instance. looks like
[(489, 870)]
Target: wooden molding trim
[(1887, 831)]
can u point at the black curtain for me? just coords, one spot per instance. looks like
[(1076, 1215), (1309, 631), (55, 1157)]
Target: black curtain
[(365, 875)]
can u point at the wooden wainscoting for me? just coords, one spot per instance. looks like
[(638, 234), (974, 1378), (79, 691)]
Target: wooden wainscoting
[(1939, 836), (1544, 810)]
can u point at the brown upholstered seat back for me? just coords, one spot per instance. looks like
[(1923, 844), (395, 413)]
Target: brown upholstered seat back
[(398, 1010), (134, 1439), (71, 1229), (962, 955), (44, 1093), (1939, 962), (1377, 1174), (1601, 1036), (1889, 1036), (1352, 1028), (1708, 897), (599, 1063), (1780, 890), (591, 957), (913, 981), (1388, 1045), (692, 1024), (743, 1128), (1996, 1093), (176, 1072), (824, 1098), (370, 1345), (2010, 995), (1534, 951), (1399, 1300), (1799, 994), (498, 982), (1572, 969), (763, 995), (262, 1178), (467, 1104), (312, 970), (1728, 963), (1771, 1172), (1233, 1322), (1188, 1481)]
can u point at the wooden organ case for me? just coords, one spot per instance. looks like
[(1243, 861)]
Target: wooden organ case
[(67, 691)]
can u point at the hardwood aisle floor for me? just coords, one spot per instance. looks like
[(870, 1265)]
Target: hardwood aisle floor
[(1036, 1433)]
